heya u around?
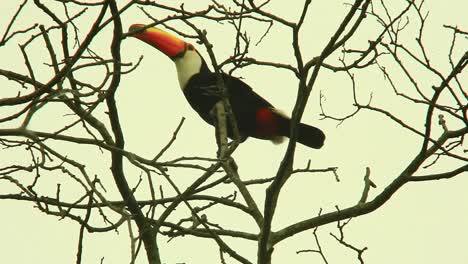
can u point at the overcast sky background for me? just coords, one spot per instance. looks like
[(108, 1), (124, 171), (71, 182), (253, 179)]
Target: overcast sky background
[(422, 223)]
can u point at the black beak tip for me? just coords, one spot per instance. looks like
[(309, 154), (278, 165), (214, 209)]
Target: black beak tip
[(135, 28)]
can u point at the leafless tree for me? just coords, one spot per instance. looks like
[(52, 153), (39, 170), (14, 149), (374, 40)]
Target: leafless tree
[(89, 120)]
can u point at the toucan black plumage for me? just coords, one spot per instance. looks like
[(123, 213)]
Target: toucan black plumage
[(255, 117)]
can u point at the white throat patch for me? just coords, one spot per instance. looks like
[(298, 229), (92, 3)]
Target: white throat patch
[(187, 66)]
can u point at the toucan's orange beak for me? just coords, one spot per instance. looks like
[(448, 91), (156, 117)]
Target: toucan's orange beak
[(162, 40)]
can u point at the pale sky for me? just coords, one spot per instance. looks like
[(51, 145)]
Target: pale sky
[(421, 223)]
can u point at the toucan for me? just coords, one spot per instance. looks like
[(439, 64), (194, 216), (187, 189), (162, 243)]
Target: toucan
[(255, 116)]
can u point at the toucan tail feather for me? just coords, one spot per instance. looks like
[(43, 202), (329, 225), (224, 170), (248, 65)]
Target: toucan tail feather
[(310, 136), (307, 135)]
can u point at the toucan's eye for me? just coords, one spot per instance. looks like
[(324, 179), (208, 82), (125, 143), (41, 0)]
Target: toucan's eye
[(190, 47)]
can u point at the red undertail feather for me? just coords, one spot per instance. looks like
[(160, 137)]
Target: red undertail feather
[(266, 123)]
